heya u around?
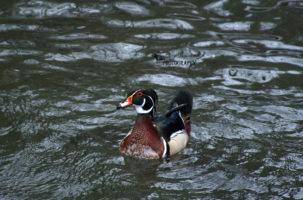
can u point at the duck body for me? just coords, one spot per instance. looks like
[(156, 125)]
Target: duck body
[(161, 136), (143, 140)]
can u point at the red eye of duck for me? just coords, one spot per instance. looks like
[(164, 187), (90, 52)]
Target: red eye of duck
[(139, 94)]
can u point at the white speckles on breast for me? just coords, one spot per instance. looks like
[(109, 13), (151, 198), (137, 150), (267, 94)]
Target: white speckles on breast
[(143, 141), (140, 151)]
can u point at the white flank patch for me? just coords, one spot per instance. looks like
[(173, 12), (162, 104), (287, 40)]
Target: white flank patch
[(178, 142)]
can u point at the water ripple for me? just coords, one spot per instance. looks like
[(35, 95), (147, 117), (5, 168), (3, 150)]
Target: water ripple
[(235, 26), (273, 59), (217, 7), (14, 27), (163, 79), (271, 44), (18, 52), (164, 36), (115, 52), (78, 36), (165, 23), (66, 65), (44, 9), (233, 75), (132, 8)]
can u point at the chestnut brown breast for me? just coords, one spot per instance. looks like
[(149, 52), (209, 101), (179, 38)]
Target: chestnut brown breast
[(143, 141)]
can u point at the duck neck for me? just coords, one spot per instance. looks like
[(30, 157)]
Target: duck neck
[(143, 119), (144, 126)]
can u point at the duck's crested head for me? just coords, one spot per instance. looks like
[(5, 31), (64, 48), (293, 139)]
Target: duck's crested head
[(145, 101)]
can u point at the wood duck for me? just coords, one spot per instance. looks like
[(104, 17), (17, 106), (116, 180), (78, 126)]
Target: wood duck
[(155, 137)]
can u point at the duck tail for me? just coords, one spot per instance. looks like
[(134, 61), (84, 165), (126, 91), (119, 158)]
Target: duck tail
[(183, 101)]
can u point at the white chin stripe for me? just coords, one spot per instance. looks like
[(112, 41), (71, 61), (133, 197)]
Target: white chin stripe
[(140, 109)]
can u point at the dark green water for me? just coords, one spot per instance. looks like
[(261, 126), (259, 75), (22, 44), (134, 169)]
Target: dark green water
[(65, 65)]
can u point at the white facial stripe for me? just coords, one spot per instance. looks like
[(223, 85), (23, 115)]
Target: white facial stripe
[(140, 109), (152, 100), (135, 92)]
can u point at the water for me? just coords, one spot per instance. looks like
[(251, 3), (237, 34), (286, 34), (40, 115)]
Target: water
[(65, 65)]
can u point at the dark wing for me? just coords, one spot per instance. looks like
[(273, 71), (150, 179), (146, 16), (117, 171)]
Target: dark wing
[(179, 111), (166, 126)]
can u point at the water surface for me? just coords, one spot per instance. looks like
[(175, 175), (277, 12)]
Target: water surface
[(65, 65)]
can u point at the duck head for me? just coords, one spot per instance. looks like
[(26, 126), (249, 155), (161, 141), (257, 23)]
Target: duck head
[(145, 101)]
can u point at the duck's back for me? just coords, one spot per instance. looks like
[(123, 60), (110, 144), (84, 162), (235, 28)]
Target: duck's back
[(174, 126)]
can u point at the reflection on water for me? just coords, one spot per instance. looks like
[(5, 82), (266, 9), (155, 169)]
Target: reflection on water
[(64, 66)]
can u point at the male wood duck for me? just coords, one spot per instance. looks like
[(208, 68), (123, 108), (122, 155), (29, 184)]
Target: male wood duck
[(157, 137)]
